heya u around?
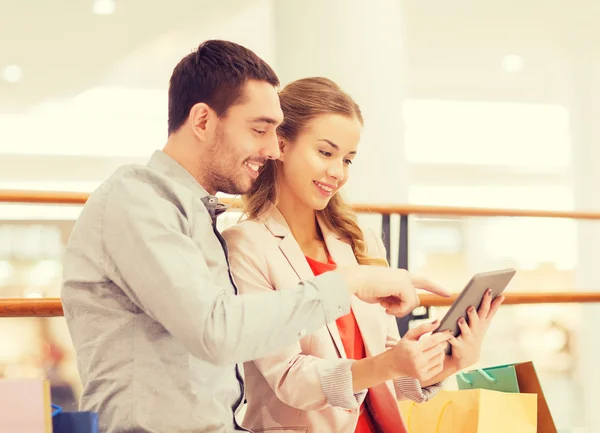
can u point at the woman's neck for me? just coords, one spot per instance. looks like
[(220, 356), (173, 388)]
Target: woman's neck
[(303, 225)]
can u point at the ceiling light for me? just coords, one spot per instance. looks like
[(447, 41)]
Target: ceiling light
[(513, 63), (12, 73), (103, 7)]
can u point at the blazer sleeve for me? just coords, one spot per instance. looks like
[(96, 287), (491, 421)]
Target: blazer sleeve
[(301, 381)]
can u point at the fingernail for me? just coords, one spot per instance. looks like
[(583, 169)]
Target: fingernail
[(471, 309), (435, 322), (489, 292), (461, 320)]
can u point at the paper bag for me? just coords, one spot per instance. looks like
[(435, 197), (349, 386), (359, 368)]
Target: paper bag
[(25, 406), (520, 377), (472, 411), (75, 422)]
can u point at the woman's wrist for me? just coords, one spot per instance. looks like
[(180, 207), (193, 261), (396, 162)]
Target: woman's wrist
[(451, 365), (372, 371)]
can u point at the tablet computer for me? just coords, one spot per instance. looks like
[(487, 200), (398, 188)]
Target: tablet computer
[(472, 295)]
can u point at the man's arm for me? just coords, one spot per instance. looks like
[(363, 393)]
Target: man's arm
[(148, 252)]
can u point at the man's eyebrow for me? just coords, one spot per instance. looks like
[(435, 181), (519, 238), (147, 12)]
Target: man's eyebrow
[(335, 146), (264, 119)]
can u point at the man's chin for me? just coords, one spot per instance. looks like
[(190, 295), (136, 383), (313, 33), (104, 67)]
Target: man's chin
[(236, 188)]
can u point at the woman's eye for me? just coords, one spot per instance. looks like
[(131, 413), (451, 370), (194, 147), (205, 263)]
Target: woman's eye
[(259, 132), (348, 161), (325, 153)]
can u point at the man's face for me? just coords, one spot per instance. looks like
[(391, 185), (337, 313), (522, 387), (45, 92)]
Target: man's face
[(244, 138)]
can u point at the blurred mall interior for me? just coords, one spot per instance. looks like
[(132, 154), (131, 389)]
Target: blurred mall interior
[(477, 104)]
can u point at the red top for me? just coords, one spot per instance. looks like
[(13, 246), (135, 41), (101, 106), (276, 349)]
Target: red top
[(352, 342)]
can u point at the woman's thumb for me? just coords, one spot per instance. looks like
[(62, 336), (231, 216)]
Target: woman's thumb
[(416, 333)]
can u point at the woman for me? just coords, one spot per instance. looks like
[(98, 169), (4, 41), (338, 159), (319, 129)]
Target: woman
[(349, 375)]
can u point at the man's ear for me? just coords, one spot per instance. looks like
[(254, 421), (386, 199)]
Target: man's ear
[(282, 146), (199, 118)]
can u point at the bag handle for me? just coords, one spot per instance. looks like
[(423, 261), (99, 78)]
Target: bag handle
[(410, 409), (56, 410), (481, 371), (439, 421)]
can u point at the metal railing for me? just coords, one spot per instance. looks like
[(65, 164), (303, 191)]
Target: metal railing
[(51, 307)]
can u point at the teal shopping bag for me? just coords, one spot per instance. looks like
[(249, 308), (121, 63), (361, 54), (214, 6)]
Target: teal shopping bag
[(512, 378), (502, 378)]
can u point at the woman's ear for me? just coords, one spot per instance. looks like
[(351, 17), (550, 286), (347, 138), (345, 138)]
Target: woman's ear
[(282, 146)]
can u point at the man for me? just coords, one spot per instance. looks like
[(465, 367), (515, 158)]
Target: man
[(148, 297)]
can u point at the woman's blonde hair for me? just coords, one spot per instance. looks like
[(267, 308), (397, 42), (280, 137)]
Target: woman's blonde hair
[(302, 101)]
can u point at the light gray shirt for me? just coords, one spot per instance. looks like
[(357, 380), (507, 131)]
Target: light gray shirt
[(152, 308)]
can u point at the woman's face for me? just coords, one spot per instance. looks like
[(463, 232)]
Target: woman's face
[(317, 164)]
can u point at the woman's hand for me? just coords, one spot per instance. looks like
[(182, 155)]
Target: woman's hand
[(466, 348), (418, 355)]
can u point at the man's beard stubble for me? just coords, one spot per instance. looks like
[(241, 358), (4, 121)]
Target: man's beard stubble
[(223, 175)]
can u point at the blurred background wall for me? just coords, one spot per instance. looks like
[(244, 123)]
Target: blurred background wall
[(486, 104)]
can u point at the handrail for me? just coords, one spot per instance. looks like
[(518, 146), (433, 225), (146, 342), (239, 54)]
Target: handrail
[(52, 307), (423, 210), (523, 298), (27, 307), (43, 197), (79, 198)]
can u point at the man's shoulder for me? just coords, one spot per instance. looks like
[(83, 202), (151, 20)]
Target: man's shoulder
[(128, 179), (131, 193), (122, 176), (140, 184)]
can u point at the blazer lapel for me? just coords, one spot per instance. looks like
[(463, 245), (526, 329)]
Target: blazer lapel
[(370, 328), (276, 224), (293, 253), (342, 255)]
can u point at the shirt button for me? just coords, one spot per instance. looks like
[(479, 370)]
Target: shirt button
[(339, 311), (302, 333), (212, 200)]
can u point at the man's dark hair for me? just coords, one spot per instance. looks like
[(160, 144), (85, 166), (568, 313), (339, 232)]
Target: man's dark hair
[(214, 74)]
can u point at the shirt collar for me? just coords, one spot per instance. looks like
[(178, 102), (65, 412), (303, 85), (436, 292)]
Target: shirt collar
[(166, 165)]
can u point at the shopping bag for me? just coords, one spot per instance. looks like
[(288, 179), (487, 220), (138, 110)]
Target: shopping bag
[(25, 406), (472, 411), (74, 422), (514, 378)]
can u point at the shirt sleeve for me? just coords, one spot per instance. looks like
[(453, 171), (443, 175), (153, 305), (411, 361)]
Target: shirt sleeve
[(150, 254)]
